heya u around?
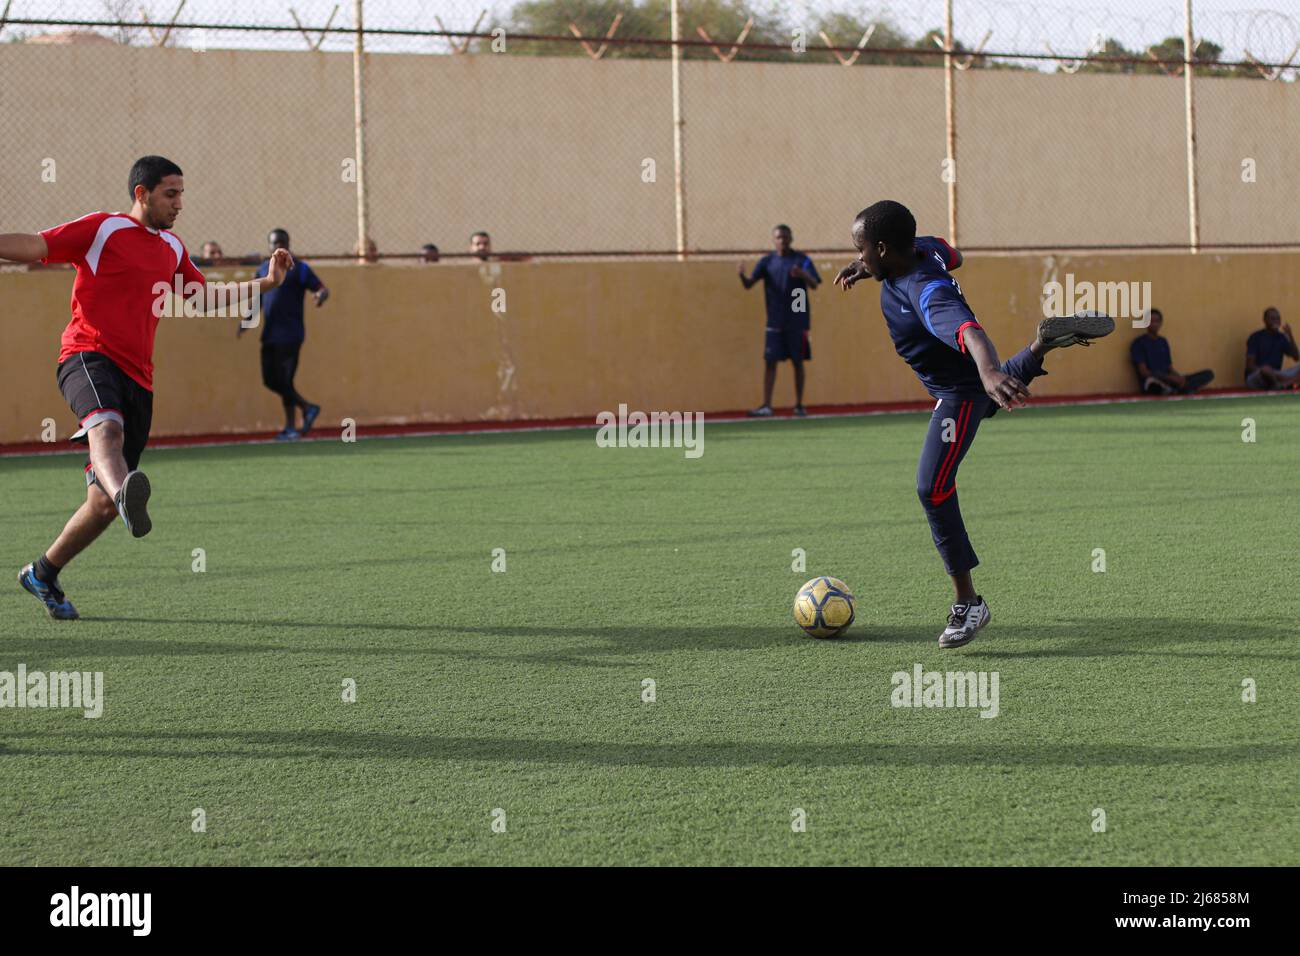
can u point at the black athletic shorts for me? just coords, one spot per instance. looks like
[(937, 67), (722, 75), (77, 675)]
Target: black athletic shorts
[(279, 366), (99, 391)]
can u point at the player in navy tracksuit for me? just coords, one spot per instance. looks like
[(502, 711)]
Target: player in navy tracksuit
[(936, 333)]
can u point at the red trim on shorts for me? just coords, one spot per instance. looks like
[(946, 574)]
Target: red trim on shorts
[(89, 415)]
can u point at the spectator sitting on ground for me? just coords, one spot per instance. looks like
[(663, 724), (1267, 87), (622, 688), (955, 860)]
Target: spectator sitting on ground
[(430, 252), (1155, 367), (1266, 350)]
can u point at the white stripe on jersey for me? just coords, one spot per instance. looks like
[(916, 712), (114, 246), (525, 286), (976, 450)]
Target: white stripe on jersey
[(106, 228), (177, 248)]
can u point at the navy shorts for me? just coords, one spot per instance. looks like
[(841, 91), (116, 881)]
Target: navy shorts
[(792, 344)]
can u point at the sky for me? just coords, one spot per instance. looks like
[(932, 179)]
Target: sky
[(1269, 29)]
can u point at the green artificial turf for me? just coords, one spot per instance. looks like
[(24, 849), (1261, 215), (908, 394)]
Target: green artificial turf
[(522, 690)]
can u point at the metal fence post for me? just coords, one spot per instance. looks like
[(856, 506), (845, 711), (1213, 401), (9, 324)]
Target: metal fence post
[(359, 126), (950, 122), (679, 169), (1193, 211)]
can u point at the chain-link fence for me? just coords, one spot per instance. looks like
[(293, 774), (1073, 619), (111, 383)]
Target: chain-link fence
[(563, 127)]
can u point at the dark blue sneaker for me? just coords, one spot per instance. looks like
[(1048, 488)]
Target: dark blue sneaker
[(309, 418), (289, 434), (132, 504), (56, 602)]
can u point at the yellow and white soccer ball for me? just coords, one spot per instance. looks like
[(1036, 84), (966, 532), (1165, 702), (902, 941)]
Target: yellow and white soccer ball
[(824, 607)]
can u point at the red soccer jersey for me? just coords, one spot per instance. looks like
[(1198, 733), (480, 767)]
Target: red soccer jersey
[(120, 264)]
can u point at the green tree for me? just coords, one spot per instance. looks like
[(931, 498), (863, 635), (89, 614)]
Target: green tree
[(1169, 49), (723, 20)]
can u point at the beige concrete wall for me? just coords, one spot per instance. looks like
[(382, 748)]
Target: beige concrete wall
[(1239, 121), (260, 135), (547, 153), (804, 145), (401, 345), (1070, 159)]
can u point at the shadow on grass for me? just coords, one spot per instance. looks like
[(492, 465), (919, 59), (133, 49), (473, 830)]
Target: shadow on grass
[(587, 647), (281, 745), (563, 644)]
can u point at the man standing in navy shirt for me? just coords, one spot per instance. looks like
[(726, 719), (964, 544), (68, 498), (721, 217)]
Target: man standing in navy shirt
[(283, 332), (1154, 364), (787, 278), (1267, 349), (936, 333)]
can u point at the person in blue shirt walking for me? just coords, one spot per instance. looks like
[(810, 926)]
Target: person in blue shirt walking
[(283, 332), (936, 333), (787, 276)]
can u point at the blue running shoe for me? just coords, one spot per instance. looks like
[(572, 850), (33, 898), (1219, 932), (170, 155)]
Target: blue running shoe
[(56, 602), (309, 418), (289, 434)]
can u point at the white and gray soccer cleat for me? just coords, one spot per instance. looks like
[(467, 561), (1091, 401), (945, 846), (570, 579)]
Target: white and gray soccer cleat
[(963, 623), (1059, 332)]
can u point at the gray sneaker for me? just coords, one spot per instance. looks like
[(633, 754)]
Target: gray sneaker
[(1060, 332), (963, 622), (133, 504), (763, 411)]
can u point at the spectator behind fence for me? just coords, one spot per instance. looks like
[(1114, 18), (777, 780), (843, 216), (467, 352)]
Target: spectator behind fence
[(1267, 349), (212, 251), (283, 332), (371, 253), (430, 252), (480, 244), (787, 278), (1154, 364)]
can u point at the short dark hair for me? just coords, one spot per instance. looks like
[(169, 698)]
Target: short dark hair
[(270, 236), (479, 233), (1152, 312), (782, 227), (429, 247), (149, 171), (886, 221)]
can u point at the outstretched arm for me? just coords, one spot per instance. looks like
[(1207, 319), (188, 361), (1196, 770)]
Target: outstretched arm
[(1007, 390), (23, 247), (279, 266)]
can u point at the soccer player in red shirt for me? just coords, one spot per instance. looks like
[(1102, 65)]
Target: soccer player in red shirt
[(106, 361)]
